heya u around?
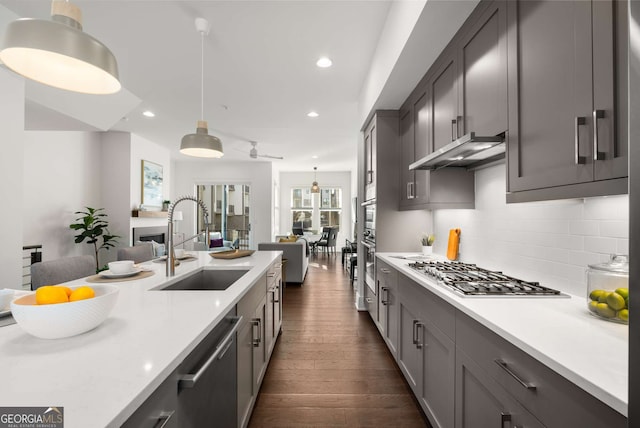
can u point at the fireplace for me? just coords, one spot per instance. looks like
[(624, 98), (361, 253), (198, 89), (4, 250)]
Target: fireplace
[(155, 233)]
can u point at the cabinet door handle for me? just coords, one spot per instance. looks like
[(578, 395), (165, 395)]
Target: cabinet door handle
[(163, 419), (256, 341), (190, 380), (454, 130), (511, 373), (505, 418), (415, 332), (276, 292), (410, 192), (383, 300), (459, 125), (419, 344), (579, 160), (369, 176), (597, 154)]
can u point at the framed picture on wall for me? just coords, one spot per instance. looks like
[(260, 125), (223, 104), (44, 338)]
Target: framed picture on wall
[(151, 185)]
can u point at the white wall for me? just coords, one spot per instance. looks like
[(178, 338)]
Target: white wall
[(290, 180), (147, 150), (62, 175), (258, 175), (66, 171), (551, 242), (11, 177)]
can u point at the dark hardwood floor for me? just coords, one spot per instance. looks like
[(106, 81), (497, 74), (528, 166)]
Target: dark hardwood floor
[(330, 367)]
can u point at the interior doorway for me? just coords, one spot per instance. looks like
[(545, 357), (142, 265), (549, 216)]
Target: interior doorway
[(229, 214)]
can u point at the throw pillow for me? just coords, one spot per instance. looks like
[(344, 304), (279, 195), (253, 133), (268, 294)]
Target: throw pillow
[(217, 243), (291, 239)]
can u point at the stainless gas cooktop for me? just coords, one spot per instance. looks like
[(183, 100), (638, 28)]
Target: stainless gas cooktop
[(470, 280)]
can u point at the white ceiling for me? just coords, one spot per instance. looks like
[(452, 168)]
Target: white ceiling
[(260, 74)]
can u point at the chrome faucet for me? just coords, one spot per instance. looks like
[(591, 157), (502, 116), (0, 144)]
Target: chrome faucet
[(171, 257)]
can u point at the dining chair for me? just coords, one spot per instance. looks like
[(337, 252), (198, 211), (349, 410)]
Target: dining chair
[(137, 253), (330, 241), (54, 272)]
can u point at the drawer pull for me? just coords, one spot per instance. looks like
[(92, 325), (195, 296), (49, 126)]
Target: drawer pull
[(419, 344), (163, 419), (506, 368), (385, 270), (190, 380)]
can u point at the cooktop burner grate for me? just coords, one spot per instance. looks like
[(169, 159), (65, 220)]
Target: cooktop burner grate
[(470, 280)]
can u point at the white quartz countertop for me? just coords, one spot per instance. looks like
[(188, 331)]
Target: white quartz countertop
[(100, 377), (559, 332)]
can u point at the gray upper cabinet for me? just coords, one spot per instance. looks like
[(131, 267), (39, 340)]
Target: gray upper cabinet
[(561, 76), (444, 101), (482, 59), (370, 148)]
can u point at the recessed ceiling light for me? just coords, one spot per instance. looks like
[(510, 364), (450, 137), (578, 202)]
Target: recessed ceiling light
[(314, 157), (148, 113), (312, 114), (324, 62)]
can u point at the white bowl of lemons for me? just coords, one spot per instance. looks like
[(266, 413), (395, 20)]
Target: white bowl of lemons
[(54, 312)]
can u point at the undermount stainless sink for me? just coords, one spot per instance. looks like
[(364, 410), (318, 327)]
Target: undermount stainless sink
[(208, 279)]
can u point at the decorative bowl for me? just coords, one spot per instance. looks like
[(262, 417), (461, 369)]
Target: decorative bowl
[(64, 319)]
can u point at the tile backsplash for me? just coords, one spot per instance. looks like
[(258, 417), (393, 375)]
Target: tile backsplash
[(551, 242)]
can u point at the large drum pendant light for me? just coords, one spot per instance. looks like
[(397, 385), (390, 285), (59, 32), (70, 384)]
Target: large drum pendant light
[(59, 54), (201, 144)]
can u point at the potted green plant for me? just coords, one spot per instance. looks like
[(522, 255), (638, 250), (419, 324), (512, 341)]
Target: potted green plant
[(427, 241), (93, 227)]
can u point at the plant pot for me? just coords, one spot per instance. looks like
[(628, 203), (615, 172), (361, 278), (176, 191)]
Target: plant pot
[(427, 250)]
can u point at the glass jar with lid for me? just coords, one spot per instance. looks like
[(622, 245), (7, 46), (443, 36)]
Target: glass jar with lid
[(608, 289)]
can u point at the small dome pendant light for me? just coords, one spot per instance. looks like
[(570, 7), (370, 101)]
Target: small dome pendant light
[(201, 144), (59, 54), (314, 187)]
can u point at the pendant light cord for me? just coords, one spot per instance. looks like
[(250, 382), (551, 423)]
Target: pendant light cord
[(202, 75)]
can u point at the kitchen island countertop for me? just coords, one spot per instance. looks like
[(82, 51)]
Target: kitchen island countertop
[(559, 332), (102, 376)]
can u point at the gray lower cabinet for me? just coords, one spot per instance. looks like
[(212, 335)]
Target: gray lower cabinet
[(387, 279), (554, 400), (426, 355), (465, 375), (567, 132), (481, 402), (261, 308)]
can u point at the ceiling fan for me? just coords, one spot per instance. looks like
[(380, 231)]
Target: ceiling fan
[(253, 153)]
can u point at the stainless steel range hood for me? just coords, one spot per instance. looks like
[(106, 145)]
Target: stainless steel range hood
[(466, 151)]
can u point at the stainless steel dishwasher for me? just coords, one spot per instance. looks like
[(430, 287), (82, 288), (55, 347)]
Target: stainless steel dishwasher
[(207, 393)]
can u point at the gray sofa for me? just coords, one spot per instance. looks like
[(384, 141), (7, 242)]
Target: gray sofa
[(297, 256)]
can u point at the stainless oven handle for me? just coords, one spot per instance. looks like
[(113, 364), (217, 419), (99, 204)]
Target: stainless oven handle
[(190, 380)]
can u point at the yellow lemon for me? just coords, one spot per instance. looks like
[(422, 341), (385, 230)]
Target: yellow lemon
[(605, 311), (595, 294), (593, 306), (50, 295), (615, 301), (82, 293), (624, 292), (623, 315), (603, 296)]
